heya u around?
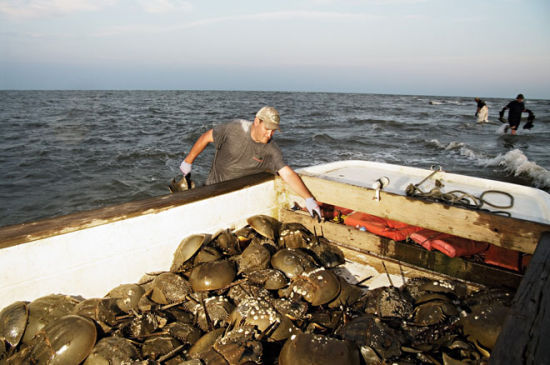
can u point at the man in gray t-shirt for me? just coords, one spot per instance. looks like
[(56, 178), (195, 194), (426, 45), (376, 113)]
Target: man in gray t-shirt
[(237, 154), (245, 148)]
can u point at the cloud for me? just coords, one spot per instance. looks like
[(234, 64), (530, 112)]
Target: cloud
[(45, 8), (165, 6)]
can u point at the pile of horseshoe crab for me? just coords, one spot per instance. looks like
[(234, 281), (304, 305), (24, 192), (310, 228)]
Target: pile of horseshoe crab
[(267, 293)]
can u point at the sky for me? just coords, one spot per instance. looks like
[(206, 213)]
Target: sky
[(493, 48)]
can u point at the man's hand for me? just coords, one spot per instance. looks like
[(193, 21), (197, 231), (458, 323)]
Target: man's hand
[(313, 208), (185, 168)]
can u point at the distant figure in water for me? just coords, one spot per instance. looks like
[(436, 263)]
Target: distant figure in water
[(482, 112), (516, 108)]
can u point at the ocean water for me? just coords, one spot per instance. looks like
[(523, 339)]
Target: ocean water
[(68, 151)]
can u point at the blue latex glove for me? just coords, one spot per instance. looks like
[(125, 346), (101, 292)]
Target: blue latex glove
[(185, 168), (313, 208)]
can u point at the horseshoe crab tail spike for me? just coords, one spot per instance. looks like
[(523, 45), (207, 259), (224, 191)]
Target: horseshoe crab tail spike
[(402, 274), (388, 275)]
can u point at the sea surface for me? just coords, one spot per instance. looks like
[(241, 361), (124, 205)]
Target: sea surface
[(68, 151)]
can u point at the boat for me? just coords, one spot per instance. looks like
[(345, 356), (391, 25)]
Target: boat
[(88, 253)]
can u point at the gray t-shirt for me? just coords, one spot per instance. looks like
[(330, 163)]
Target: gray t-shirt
[(238, 155)]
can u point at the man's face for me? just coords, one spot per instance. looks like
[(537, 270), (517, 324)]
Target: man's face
[(262, 135)]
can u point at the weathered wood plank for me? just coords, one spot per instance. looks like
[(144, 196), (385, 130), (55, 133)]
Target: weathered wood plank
[(525, 337), (513, 233), (354, 239), (26, 232), (396, 267)]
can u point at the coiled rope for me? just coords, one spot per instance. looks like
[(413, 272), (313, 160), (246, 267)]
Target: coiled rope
[(458, 197)]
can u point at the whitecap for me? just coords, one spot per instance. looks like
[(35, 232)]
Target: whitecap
[(461, 148), (517, 163)]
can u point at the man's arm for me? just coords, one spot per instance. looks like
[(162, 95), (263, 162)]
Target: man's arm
[(199, 146), (296, 183)]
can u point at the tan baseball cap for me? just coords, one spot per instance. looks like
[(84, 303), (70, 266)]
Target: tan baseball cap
[(270, 116)]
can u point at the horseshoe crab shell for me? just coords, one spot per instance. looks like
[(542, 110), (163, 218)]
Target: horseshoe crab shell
[(265, 225), (212, 275), (205, 343), (318, 287), (263, 316), (292, 262), (254, 257), (484, 323), (308, 348), (68, 340), (47, 309), (127, 296), (113, 350), (13, 320), (169, 288), (187, 248)]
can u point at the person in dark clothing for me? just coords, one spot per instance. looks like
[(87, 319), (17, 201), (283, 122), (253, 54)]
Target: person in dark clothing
[(482, 111), (515, 109)]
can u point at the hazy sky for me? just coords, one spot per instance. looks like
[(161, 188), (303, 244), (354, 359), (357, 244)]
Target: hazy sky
[(435, 47)]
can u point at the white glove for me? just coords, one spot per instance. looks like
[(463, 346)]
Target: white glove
[(185, 168), (313, 207)]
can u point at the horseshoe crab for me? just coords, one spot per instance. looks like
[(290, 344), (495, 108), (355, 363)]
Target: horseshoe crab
[(67, 340), (127, 296), (294, 235), (101, 310), (169, 288), (212, 275), (205, 343), (218, 310), (389, 302), (13, 321), (238, 346), (186, 249), (246, 290), (142, 325), (184, 332), (484, 323), (113, 350), (254, 257), (326, 254), (206, 254), (433, 309), (292, 262), (157, 346), (307, 348), (260, 314), (271, 279), (227, 242), (371, 331), (265, 226), (318, 286), (44, 310), (293, 309)]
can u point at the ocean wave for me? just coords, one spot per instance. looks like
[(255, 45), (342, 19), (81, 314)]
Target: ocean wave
[(460, 147), (518, 164), (323, 138), (375, 122), (441, 102)]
